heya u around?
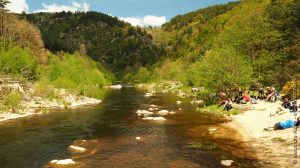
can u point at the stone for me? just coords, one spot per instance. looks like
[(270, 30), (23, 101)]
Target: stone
[(116, 86), (178, 102), (159, 119), (163, 112), (144, 112), (63, 162), (227, 162), (77, 148)]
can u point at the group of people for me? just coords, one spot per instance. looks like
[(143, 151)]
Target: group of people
[(270, 95)]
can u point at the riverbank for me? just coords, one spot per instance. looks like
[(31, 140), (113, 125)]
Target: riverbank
[(37, 105), (273, 148)]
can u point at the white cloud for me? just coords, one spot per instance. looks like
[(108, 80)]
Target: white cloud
[(18, 6), (148, 20), (75, 6)]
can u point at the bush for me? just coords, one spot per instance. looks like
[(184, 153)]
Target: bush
[(75, 73), (288, 89), (13, 101), (44, 90), (17, 61)]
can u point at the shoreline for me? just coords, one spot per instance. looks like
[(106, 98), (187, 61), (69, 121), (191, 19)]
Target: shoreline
[(272, 148), (31, 108)]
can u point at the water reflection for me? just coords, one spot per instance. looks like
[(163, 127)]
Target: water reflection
[(110, 131)]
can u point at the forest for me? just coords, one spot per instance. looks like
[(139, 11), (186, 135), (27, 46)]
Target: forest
[(238, 44)]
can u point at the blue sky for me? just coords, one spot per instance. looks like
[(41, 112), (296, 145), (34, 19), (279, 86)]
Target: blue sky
[(132, 10)]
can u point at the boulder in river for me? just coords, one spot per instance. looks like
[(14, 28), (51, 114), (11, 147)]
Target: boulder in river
[(163, 112), (116, 86), (226, 162), (159, 119), (172, 112), (149, 94), (63, 162), (148, 118), (140, 112), (77, 148)]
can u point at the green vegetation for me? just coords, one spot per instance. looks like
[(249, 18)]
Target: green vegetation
[(216, 110), (13, 101), (78, 74), (17, 62), (115, 44)]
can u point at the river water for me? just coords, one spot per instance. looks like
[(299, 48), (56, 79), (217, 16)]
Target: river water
[(108, 132)]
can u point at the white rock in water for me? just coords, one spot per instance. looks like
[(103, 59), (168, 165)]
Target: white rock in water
[(172, 112), (153, 105), (116, 86), (148, 94), (138, 138), (151, 109), (212, 129), (77, 148), (148, 118), (159, 119), (144, 112), (63, 162), (227, 162), (178, 102), (163, 112)]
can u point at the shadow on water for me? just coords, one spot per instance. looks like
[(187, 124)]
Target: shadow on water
[(110, 130)]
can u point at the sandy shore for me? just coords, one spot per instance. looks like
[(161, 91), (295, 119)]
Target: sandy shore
[(273, 148)]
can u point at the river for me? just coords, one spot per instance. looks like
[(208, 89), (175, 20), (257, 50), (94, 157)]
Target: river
[(109, 131)]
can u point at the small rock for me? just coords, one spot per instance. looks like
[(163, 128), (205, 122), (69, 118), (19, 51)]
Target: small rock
[(148, 118), (227, 162), (159, 119), (138, 138), (172, 112), (178, 102), (63, 162), (116, 86), (148, 94), (163, 112), (144, 112), (77, 148)]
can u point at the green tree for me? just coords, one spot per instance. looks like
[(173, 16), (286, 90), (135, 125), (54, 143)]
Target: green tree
[(223, 69), (3, 4)]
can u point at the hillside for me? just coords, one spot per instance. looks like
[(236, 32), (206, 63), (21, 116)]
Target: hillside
[(224, 44), (106, 39)]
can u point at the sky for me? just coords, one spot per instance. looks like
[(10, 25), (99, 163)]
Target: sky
[(136, 12)]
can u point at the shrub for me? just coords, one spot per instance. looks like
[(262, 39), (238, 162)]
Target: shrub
[(288, 89), (13, 101), (17, 61), (44, 90)]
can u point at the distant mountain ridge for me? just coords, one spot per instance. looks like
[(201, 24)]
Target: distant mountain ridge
[(106, 39)]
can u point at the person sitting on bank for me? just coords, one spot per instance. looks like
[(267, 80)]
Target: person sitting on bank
[(261, 94), (286, 106), (286, 124), (228, 105), (245, 98), (271, 95), (294, 107)]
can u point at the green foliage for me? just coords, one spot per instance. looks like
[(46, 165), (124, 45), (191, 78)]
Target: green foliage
[(143, 76), (218, 111), (115, 44), (18, 62), (221, 69), (13, 101), (44, 90), (76, 73)]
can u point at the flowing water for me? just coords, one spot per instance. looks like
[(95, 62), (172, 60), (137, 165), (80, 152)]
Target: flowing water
[(108, 132)]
